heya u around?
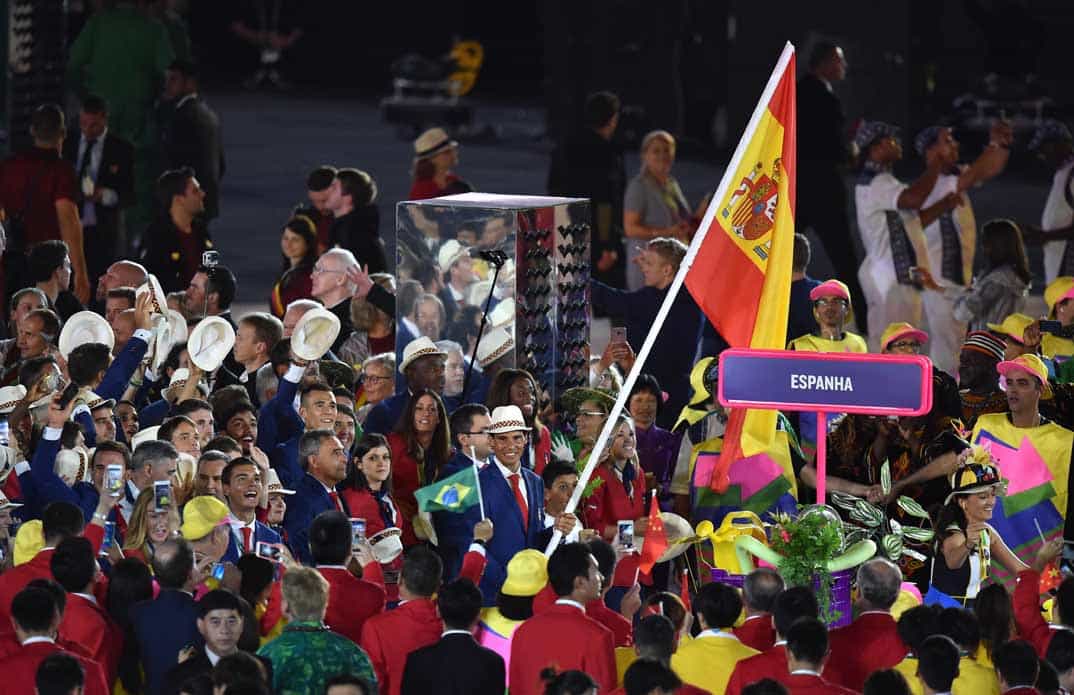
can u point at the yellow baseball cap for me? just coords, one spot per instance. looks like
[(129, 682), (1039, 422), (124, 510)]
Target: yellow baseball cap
[(1026, 363), (201, 515), (1060, 289), (527, 574), (29, 541), (1013, 327), (895, 331)]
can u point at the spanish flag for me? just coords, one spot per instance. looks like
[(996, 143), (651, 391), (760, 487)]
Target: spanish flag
[(456, 493), (740, 271)]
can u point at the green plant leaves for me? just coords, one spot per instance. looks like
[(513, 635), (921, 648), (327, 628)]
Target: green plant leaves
[(920, 535), (866, 514), (911, 507), (843, 500), (885, 478), (892, 546)]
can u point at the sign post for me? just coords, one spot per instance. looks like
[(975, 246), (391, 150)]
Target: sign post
[(825, 382)]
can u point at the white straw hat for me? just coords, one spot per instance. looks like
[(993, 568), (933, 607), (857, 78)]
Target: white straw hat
[(314, 334), (10, 397), (494, 345), (85, 327), (158, 299), (419, 347), (449, 253), (507, 418), (210, 342)]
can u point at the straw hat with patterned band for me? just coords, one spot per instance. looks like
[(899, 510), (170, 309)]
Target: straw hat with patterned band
[(201, 515), (975, 477), (93, 402), (573, 398), (494, 345), (1013, 327), (680, 535), (273, 485), (503, 314), (432, 142), (894, 331), (418, 348), (507, 418), (451, 253), (158, 300), (11, 396), (314, 334), (1030, 364), (1060, 289), (85, 327), (527, 574), (387, 545), (210, 342)]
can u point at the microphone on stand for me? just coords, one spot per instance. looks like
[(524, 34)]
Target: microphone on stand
[(494, 257)]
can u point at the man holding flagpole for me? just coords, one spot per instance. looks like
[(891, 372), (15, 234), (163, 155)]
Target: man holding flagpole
[(469, 430), (747, 234)]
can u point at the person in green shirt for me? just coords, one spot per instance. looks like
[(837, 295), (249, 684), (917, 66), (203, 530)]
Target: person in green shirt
[(307, 654)]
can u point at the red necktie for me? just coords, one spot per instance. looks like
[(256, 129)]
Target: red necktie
[(522, 506), (247, 532), (334, 496)]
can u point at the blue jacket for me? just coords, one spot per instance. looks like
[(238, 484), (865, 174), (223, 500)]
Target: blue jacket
[(454, 532), (118, 374), (162, 627), (262, 534), (309, 500), (48, 487), (511, 535)]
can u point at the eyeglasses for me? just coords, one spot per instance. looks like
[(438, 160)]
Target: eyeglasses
[(321, 269), (474, 434), (905, 345), (831, 300), (591, 413), (374, 377)]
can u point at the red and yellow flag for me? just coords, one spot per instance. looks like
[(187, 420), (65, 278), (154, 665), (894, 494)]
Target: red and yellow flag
[(741, 273)]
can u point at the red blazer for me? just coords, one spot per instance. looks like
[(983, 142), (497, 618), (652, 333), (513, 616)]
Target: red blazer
[(405, 478), (389, 637), (85, 623), (757, 632), (622, 629), (868, 644), (542, 450), (610, 504), (363, 505), (803, 684), (15, 580), (351, 601), (1031, 624), (563, 637), (19, 670), (771, 663)]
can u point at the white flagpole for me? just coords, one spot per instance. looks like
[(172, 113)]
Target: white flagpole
[(676, 284), (477, 479)]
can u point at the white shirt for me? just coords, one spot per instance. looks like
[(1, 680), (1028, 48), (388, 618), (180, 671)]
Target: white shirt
[(713, 632), (965, 223), (33, 640), (237, 525), (213, 656), (89, 597), (569, 602), (108, 196), (572, 537), (1057, 214), (874, 203), (507, 472), (126, 507), (445, 633)]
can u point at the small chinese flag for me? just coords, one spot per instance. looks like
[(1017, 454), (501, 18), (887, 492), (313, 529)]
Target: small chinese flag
[(656, 540), (684, 590), (1050, 577)]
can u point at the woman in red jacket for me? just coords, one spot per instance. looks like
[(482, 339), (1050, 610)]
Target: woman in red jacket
[(518, 387), (420, 445), (298, 244), (619, 497), (368, 492)]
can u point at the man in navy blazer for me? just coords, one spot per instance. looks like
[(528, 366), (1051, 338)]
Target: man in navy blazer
[(324, 465), (513, 499), (165, 625), (242, 490), (468, 426)]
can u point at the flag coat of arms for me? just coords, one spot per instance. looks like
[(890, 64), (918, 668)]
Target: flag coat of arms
[(740, 272), (456, 493)]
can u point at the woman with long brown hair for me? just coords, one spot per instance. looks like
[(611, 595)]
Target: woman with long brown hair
[(518, 387), (420, 446), (148, 528), (298, 244)]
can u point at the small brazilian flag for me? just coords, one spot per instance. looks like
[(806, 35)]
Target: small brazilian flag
[(456, 493)]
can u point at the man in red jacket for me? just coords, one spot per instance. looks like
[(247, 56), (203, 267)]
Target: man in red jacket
[(389, 637), (61, 520), (793, 604), (871, 642), (759, 592), (1017, 666), (807, 651), (84, 621), (351, 601), (563, 637), (37, 619)]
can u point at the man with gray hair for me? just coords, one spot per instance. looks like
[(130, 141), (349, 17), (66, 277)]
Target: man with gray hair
[(152, 461), (871, 642), (294, 312), (759, 592), (333, 286), (324, 463)]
